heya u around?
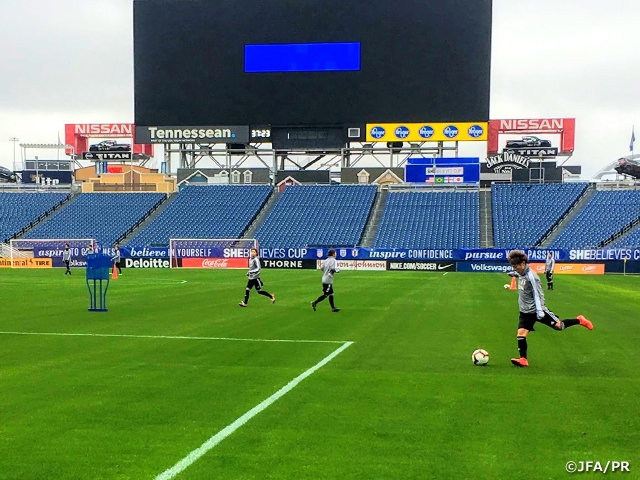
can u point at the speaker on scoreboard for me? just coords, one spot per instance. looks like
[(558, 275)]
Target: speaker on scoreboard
[(308, 138), (395, 146)]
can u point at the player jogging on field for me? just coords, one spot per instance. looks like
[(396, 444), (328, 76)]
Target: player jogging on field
[(254, 279), (532, 305), (549, 265), (329, 268), (116, 259), (66, 258)]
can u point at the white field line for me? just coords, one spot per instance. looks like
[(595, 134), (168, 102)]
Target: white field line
[(229, 429), (172, 337)]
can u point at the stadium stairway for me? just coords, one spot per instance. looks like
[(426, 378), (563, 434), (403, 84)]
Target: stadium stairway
[(262, 214), (618, 237), (570, 215), (373, 222), (45, 217), (135, 229), (486, 219)]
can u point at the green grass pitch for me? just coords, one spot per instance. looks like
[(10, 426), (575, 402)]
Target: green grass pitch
[(403, 402)]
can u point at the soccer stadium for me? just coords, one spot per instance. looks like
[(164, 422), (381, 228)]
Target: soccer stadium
[(291, 265)]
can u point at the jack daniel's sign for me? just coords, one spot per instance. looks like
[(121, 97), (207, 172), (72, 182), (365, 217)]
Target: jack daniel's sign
[(507, 161)]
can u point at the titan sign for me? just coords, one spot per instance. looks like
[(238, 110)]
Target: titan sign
[(207, 134), (103, 156), (427, 132)]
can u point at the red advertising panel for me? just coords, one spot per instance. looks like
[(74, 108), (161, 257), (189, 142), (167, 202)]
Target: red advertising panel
[(78, 135), (215, 263), (565, 127)]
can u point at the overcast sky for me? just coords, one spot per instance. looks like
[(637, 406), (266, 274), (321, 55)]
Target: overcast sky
[(71, 61)]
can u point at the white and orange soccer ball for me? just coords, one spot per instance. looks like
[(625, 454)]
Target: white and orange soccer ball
[(480, 357)]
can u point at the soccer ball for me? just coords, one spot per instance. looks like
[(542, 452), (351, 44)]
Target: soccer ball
[(480, 357), (507, 286)]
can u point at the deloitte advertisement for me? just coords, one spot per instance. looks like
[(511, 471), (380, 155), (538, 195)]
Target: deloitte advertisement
[(443, 171)]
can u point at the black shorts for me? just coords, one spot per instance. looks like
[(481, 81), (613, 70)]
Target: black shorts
[(527, 320), (67, 262), (327, 288), (549, 276), (255, 283)]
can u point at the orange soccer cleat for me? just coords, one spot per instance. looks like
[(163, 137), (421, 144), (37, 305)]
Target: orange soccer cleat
[(520, 362), (585, 323)]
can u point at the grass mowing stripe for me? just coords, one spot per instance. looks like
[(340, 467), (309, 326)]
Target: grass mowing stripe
[(228, 430), (173, 337)]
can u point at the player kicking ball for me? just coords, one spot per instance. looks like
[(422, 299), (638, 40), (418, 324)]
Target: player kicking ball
[(329, 269), (254, 279), (532, 305)]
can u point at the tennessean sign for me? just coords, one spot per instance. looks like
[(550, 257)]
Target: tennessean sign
[(206, 134), (507, 161)]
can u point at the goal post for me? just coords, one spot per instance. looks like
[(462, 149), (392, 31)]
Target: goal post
[(42, 248), (210, 252)]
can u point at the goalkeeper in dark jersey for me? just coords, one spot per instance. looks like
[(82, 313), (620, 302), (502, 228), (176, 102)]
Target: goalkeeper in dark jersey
[(532, 305), (254, 279), (549, 265), (329, 268)]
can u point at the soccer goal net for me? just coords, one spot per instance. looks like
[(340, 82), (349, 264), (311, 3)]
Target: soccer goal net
[(24, 251), (210, 252)]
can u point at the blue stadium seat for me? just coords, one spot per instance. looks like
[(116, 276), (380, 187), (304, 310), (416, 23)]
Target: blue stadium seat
[(19, 210), (524, 213), (102, 216), (318, 216), (205, 211), (606, 213), (423, 220)]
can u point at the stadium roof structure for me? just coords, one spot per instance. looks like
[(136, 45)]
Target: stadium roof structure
[(48, 146), (609, 169)]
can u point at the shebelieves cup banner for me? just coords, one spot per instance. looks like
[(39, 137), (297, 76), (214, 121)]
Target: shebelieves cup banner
[(387, 254), (202, 134)]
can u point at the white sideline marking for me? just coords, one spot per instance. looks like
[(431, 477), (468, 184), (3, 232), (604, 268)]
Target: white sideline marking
[(229, 429), (172, 337), (445, 273)]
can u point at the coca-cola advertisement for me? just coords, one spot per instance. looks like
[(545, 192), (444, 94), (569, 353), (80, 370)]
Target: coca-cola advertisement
[(215, 262)]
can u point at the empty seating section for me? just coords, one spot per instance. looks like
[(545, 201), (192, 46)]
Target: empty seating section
[(212, 211), (605, 214), (19, 210), (103, 216), (320, 216), (430, 220), (524, 213), (631, 240)]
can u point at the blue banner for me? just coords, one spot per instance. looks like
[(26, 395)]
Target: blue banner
[(443, 170)]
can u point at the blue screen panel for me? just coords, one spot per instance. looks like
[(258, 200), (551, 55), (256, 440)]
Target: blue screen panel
[(302, 57)]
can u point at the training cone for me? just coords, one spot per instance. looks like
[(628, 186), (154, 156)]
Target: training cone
[(513, 286), (114, 273)]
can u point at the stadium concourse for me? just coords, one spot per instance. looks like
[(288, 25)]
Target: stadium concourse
[(569, 215)]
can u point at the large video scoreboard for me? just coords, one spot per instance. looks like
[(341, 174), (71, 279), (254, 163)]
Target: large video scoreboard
[(226, 70)]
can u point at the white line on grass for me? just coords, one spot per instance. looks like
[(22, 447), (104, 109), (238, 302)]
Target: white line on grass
[(228, 430), (173, 337)]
